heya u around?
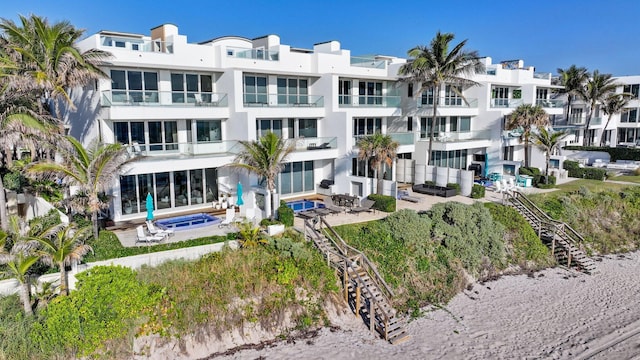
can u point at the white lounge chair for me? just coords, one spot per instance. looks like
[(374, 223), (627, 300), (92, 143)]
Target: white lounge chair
[(498, 185), (228, 220), (142, 237), (406, 196), (156, 231)]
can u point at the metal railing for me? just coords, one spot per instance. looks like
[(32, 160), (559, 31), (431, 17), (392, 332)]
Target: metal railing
[(368, 62), (312, 143), (369, 101), (255, 54), (450, 102), (162, 98), (505, 103), (189, 148), (283, 100), (555, 103)]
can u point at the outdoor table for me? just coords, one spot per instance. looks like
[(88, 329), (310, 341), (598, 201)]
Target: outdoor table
[(344, 200)]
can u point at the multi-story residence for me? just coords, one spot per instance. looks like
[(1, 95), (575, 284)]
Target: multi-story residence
[(181, 108)]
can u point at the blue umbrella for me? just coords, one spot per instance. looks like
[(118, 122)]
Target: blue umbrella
[(149, 207), (239, 193), (486, 165)]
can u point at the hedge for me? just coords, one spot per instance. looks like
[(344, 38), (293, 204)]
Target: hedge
[(454, 186), (383, 202), (616, 153), (285, 214), (583, 173), (477, 191)]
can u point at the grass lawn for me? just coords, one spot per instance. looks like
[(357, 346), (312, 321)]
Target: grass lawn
[(627, 178), (592, 185)]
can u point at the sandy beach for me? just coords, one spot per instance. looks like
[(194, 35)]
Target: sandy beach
[(556, 314)]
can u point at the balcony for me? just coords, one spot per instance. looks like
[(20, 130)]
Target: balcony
[(405, 138), (212, 148), (368, 62), (505, 103), (545, 76), (449, 102), (312, 143), (447, 141), (136, 44), (577, 120), (255, 54), (550, 103), (279, 100), (162, 98), (369, 101), (596, 121)]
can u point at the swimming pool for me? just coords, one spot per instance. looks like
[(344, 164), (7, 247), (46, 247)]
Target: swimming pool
[(301, 205), (187, 222)]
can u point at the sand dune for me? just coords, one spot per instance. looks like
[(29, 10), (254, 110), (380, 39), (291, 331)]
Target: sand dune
[(557, 314)]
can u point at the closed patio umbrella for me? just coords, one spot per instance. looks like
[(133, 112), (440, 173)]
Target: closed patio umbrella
[(239, 194), (149, 207)]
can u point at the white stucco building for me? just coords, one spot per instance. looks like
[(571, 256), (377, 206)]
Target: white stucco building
[(183, 107)]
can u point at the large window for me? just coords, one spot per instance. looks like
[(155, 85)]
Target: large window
[(293, 91), (628, 135), (500, 96), (344, 92), (191, 88), (128, 133), (163, 135), (633, 89), (180, 188), (296, 177), (427, 97), (360, 168), (366, 126), (507, 153), (425, 126), (456, 159), (129, 200), (460, 123), (208, 130), (453, 96), (542, 94), (255, 89), (370, 93), (308, 128), (134, 86), (629, 116), (263, 126)]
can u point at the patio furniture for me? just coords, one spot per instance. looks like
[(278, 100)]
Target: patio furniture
[(307, 214), (228, 220), (406, 196), (329, 205), (434, 190), (142, 237), (498, 188), (365, 205), (345, 200), (157, 231)]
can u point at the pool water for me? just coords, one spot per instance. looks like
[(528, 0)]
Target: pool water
[(302, 205), (188, 221)]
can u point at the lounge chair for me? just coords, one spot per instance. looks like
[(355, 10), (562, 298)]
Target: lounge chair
[(157, 231), (406, 196), (365, 205), (228, 220), (498, 185), (329, 205), (142, 237), (307, 214)]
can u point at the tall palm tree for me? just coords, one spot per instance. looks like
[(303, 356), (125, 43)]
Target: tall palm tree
[(49, 61), (265, 158), (548, 142), (526, 117), (614, 104), (377, 149), (440, 64), (597, 89), (92, 169), (63, 248), (572, 80)]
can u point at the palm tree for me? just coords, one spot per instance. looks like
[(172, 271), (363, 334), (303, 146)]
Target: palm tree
[(92, 169), (526, 117), (596, 90), (377, 149), (547, 141), (63, 248), (436, 65), (614, 104), (572, 81), (48, 60), (265, 158)]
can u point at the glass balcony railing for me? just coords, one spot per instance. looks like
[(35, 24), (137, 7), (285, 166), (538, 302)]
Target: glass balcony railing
[(490, 71), (404, 138), (221, 148), (505, 103), (550, 103), (449, 102), (368, 62), (456, 136), (369, 101), (313, 143), (595, 121), (136, 44), (282, 100), (162, 98), (255, 54), (577, 120), (546, 76)]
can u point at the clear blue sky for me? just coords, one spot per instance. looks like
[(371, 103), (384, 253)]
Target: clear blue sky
[(601, 35)]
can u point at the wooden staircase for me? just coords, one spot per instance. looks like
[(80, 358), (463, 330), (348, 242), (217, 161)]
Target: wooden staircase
[(364, 289), (566, 243)]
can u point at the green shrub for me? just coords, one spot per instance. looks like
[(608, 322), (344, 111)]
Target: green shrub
[(285, 214), (383, 202), (267, 222), (583, 173), (107, 305), (616, 153), (429, 182), (477, 191), (531, 171), (570, 165), (454, 186), (14, 181), (15, 330)]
